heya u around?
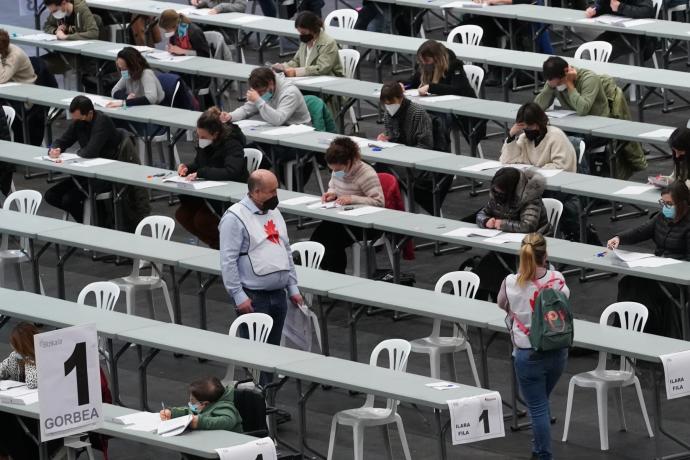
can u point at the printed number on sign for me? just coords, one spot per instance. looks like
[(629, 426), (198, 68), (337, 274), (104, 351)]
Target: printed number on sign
[(77, 362)]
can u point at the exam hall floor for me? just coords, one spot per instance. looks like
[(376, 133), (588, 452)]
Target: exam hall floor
[(169, 376)]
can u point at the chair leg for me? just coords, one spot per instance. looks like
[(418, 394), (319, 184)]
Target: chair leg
[(451, 366), (619, 409), (568, 410), (358, 441), (643, 406), (473, 366), (20, 279), (603, 413), (435, 362), (151, 303), (129, 300), (387, 441), (403, 438)]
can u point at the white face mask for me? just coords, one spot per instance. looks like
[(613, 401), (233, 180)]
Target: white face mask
[(59, 14), (169, 34), (392, 109), (203, 143), (562, 87)]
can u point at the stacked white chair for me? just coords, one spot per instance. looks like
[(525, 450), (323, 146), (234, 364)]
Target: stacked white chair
[(554, 210), (310, 255), (349, 59), (25, 202), (259, 326), (105, 294), (253, 159), (346, 19)]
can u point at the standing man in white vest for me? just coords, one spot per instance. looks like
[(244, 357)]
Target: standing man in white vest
[(255, 255)]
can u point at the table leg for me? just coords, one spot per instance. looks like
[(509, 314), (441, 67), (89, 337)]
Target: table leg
[(355, 314), (116, 357), (410, 189), (441, 429), (61, 272), (177, 304), (34, 267), (302, 414), (201, 294), (143, 381), (114, 378)]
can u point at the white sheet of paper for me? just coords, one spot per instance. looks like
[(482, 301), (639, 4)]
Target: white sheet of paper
[(7, 384), (165, 56), (40, 37), (64, 157), (491, 164), (93, 162), (75, 42), (662, 133), (447, 97), (412, 92), (611, 19), (19, 395), (316, 80), (382, 144), (137, 418), (560, 113), (329, 205), (97, 100), (520, 166), (629, 256), (246, 19), (196, 11), (587, 20), (174, 426), (476, 418), (250, 450), (506, 237), (653, 262), (473, 231), (8, 84), (360, 141), (292, 129), (142, 49), (242, 124), (464, 5), (442, 385), (634, 190), (364, 210), (550, 172), (676, 374), (300, 200), (638, 22)]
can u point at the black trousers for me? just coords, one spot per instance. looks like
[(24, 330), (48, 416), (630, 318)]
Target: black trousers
[(66, 195), (6, 171), (336, 240)]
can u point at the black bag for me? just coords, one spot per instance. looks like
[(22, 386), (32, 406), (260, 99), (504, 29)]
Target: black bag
[(251, 404)]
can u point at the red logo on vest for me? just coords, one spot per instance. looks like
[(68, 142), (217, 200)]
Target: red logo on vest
[(272, 232)]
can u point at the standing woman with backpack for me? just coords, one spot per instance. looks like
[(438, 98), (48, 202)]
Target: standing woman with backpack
[(537, 371)]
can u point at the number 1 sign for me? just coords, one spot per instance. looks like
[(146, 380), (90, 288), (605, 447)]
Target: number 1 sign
[(476, 418), (69, 381)]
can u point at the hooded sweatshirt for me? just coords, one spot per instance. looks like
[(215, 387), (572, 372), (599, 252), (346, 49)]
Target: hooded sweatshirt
[(220, 415), (285, 107), (524, 212), (80, 25)]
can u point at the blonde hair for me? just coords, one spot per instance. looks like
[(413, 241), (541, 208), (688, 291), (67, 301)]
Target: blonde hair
[(170, 19), (439, 53), (532, 256)]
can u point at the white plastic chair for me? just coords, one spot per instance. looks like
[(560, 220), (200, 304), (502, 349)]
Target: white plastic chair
[(349, 59), (554, 210), (370, 416), (25, 202), (253, 159), (310, 255), (10, 114), (259, 326), (105, 294), (465, 284), (468, 34), (161, 228), (599, 51), (633, 317), (475, 75), (346, 19)]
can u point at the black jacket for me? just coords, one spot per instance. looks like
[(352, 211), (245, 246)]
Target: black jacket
[(98, 138), (222, 160), (629, 8), (672, 239), (197, 40), (455, 81)]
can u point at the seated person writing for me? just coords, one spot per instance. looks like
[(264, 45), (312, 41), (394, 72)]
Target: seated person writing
[(670, 232), (212, 406), (68, 20), (634, 9), (219, 157), (185, 39), (680, 146)]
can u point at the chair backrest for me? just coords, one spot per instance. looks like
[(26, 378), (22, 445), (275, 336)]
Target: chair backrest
[(310, 253), (160, 228), (554, 209), (10, 115), (464, 284), (657, 7), (475, 75), (215, 41), (632, 317), (349, 59), (253, 159), (398, 351), (468, 34), (346, 19), (106, 294), (599, 51), (258, 324), (26, 202)]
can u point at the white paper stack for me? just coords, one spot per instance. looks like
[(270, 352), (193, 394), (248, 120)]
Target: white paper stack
[(140, 421), (560, 113), (165, 56), (611, 19), (7, 384), (93, 162), (242, 124), (473, 231), (19, 395), (491, 164), (317, 80), (64, 157), (642, 259), (193, 184), (292, 129), (506, 237), (174, 426), (329, 205), (465, 5), (40, 37)]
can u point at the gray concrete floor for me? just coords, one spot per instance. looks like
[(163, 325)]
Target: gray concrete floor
[(168, 376)]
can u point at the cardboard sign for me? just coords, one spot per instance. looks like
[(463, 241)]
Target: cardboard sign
[(677, 374), (69, 390), (476, 418)]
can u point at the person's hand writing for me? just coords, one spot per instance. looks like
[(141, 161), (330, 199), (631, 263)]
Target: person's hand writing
[(245, 307), (290, 72), (195, 422), (114, 104), (165, 414), (297, 300), (213, 11), (54, 153), (225, 117), (614, 5), (131, 96), (252, 95), (176, 50), (328, 196), (516, 129), (490, 223), (382, 137), (344, 200), (182, 170), (61, 35), (613, 243), (191, 177), (590, 12), (423, 90)]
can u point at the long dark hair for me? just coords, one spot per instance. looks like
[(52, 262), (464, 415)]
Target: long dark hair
[(136, 64), (681, 198), (680, 140), (532, 114)]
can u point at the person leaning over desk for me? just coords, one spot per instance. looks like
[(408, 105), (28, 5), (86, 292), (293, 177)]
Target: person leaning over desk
[(670, 231), (219, 157)]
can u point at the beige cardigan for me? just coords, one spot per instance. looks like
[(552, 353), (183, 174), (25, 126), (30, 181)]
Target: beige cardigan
[(323, 59), (555, 151), (16, 67)]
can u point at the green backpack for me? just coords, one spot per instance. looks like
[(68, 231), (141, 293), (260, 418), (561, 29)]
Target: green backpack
[(552, 318)]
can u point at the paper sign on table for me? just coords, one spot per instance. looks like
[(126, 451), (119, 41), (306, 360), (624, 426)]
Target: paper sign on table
[(662, 133), (174, 426), (476, 418), (491, 164), (364, 210), (292, 129), (251, 450), (300, 200), (473, 231), (676, 374), (634, 190)]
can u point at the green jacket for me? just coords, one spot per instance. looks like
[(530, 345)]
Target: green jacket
[(323, 59), (321, 118), (588, 98), (221, 415), (81, 24)]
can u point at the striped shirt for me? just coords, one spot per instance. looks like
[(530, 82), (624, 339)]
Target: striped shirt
[(361, 183)]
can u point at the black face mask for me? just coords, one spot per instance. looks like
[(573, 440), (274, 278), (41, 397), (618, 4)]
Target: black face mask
[(532, 134), (81, 124), (270, 204), (306, 38)]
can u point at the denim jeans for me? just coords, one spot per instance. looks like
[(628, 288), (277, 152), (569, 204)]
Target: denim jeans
[(537, 374)]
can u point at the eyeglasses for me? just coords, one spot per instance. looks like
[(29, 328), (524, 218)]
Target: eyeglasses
[(668, 204)]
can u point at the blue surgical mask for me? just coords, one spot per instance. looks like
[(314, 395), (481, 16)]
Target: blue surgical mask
[(124, 74), (19, 356), (194, 408), (267, 96), (339, 174), (669, 212)]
